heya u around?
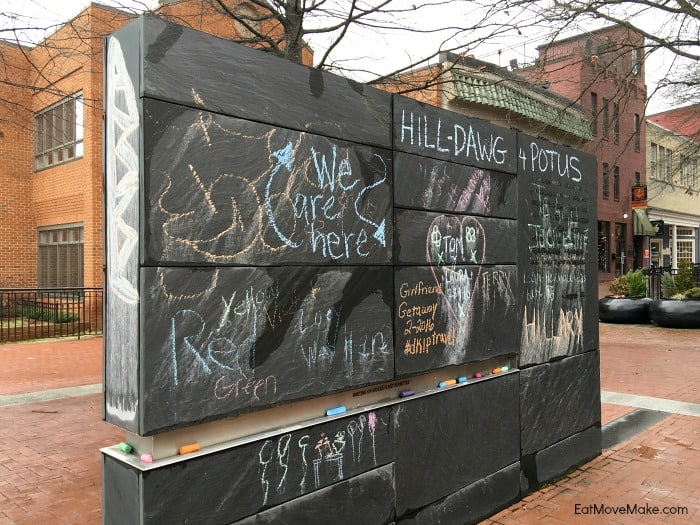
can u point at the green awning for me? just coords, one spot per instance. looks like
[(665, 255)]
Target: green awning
[(500, 95), (642, 224)]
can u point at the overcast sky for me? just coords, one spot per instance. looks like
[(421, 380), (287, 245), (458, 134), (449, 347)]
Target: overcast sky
[(382, 53)]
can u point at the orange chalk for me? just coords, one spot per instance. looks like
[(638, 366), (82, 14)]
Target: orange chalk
[(449, 382), (188, 449), (496, 371)]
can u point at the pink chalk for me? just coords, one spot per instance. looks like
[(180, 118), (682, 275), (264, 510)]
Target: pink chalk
[(477, 375), (146, 458)]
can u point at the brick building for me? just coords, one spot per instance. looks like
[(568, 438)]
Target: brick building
[(603, 71), (51, 111)]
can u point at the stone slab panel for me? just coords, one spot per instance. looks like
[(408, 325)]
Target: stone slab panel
[(474, 502), (447, 441), (558, 399)]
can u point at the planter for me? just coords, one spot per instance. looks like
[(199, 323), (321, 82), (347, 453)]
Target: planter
[(676, 314), (630, 310)]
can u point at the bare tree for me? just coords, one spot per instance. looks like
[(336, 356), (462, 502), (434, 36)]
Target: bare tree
[(350, 37), (366, 39), (669, 27)]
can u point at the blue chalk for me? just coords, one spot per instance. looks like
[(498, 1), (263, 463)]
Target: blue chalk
[(335, 411), (449, 382), (462, 379), (406, 393)]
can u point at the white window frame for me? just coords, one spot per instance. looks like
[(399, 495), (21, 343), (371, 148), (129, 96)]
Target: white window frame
[(685, 255), (58, 132)]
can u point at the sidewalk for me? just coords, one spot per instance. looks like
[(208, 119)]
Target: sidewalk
[(658, 466), (50, 460)]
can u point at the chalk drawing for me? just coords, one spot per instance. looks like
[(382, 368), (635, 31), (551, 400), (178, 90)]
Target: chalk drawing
[(122, 219), (558, 237), (242, 192)]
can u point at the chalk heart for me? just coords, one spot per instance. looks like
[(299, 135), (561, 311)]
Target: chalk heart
[(452, 241)]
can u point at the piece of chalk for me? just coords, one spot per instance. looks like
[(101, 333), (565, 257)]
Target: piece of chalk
[(188, 449), (462, 379), (449, 382), (496, 371), (146, 458), (406, 393), (335, 411), (477, 375), (504, 369), (125, 447)]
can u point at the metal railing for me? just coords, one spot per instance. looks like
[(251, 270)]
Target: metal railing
[(37, 313), (655, 278)]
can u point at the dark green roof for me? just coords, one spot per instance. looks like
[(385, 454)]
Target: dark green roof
[(498, 94)]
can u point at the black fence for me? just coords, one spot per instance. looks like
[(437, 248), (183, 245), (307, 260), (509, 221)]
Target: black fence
[(655, 278), (36, 313)]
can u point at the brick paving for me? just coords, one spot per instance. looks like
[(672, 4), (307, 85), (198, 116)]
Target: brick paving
[(50, 459), (49, 364)]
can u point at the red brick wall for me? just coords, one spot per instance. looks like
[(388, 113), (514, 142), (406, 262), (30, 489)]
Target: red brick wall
[(17, 232), (413, 84)]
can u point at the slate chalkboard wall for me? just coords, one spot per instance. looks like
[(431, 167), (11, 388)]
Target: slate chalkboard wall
[(557, 233), (275, 233), (227, 340), (225, 191)]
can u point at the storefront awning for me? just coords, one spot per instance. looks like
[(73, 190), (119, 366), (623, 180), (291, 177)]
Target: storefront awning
[(642, 225)]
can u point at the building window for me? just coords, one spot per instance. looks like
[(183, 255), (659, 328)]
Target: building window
[(683, 231), (666, 165), (616, 123), (636, 61), (684, 251), (689, 173), (58, 132), (606, 119), (616, 183), (594, 114), (637, 178), (637, 132), (61, 256), (661, 163), (606, 181), (603, 246)]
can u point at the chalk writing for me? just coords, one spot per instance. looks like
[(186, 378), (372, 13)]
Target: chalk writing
[(267, 195), (550, 160), (444, 320), (556, 209), (232, 339), (428, 133)]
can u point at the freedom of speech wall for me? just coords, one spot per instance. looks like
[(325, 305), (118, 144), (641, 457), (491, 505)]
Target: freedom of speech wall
[(280, 239)]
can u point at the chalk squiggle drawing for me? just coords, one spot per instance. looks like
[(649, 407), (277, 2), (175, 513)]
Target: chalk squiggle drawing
[(122, 182)]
